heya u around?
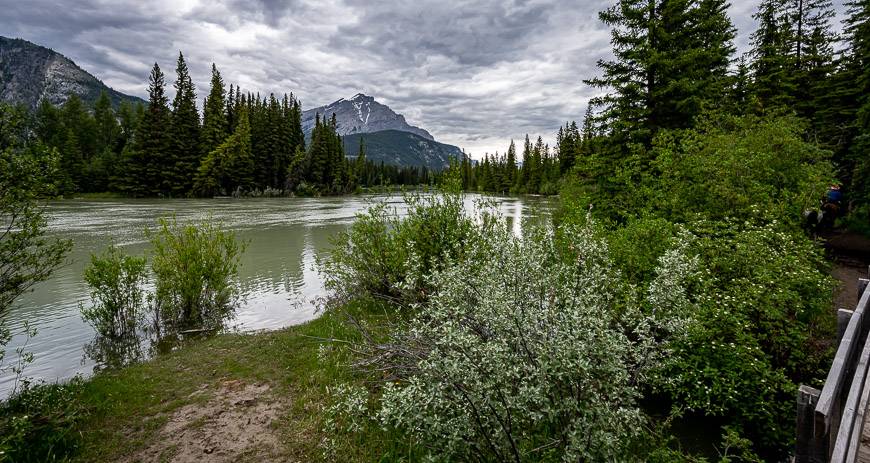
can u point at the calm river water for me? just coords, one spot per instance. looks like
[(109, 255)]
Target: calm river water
[(278, 275)]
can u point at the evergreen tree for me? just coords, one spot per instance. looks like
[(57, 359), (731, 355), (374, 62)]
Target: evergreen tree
[(128, 120), (147, 158), (857, 67), (184, 155), (108, 130), (773, 66), (568, 145), (215, 128), (670, 61), (510, 173), (229, 168)]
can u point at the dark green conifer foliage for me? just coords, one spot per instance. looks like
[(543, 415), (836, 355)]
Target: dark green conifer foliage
[(670, 60), (857, 66), (145, 167), (568, 144), (79, 143), (510, 173), (215, 127), (229, 168), (108, 130), (185, 154), (773, 65)]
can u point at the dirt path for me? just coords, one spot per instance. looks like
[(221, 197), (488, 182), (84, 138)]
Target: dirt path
[(851, 256), (233, 423)]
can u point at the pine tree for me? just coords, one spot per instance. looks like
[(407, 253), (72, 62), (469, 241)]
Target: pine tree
[(215, 128), (773, 66), (670, 60), (814, 55), (149, 153), (857, 66), (229, 168), (568, 145), (78, 144), (48, 124), (185, 155), (510, 174)]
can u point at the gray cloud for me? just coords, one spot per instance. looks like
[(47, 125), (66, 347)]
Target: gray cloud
[(474, 74)]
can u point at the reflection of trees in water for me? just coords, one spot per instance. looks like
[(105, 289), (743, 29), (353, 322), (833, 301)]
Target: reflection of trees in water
[(112, 353)]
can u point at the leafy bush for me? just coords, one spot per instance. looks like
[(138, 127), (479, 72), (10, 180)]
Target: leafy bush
[(27, 255), (385, 255), (39, 423), (524, 354), (117, 293), (727, 166), (764, 304), (194, 267), (737, 166)]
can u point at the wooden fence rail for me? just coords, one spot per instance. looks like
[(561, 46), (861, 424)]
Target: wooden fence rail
[(830, 422)]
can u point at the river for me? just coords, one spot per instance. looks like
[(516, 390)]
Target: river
[(278, 275)]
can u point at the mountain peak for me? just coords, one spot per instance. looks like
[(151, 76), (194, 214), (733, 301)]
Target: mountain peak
[(361, 114)]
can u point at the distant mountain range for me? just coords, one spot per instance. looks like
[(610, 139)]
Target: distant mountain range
[(402, 148), (29, 72), (387, 135)]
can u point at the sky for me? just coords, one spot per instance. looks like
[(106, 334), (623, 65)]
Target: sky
[(474, 74)]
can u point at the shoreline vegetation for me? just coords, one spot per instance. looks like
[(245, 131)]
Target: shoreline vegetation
[(677, 287)]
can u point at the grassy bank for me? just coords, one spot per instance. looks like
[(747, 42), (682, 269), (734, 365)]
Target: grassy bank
[(281, 380)]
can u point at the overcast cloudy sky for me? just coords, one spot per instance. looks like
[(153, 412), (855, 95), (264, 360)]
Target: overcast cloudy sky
[(475, 74)]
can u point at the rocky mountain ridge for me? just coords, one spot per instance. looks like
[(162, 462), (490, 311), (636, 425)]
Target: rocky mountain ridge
[(30, 72), (361, 114)]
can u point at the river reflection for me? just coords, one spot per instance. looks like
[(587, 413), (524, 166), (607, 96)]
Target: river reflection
[(278, 276)]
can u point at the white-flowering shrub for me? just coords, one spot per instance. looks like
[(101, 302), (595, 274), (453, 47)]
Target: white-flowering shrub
[(525, 354)]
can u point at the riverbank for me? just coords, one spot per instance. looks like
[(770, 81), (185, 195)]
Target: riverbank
[(233, 397)]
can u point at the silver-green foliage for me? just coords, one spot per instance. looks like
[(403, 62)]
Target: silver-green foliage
[(194, 266), (117, 294), (524, 353)]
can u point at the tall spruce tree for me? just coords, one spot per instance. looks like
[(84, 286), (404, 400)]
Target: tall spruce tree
[(185, 152), (146, 160), (670, 60), (773, 63), (215, 128), (229, 168)]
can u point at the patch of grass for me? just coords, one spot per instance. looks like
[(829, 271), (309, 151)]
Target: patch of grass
[(128, 408)]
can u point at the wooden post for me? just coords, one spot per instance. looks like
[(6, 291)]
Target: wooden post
[(843, 317), (862, 285), (808, 448)]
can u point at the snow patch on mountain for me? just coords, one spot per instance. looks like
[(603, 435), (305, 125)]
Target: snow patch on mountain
[(361, 114)]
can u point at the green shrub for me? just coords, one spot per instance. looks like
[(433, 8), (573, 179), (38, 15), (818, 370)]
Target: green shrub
[(736, 167), (525, 354), (117, 294), (194, 268), (764, 304), (39, 423), (387, 256)]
